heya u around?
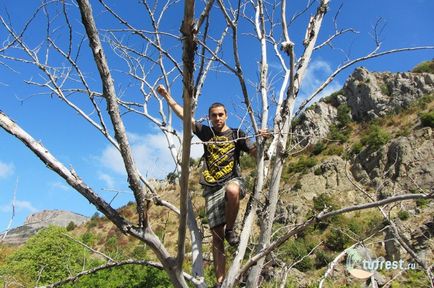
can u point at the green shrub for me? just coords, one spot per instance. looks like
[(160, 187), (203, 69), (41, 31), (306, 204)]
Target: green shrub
[(202, 215), (423, 101), (194, 162), (336, 240), (95, 216), (331, 99), (139, 252), (171, 177), (415, 278), (294, 250), (111, 244), (247, 162), (339, 134), (334, 149), (296, 121), (323, 201), (302, 165), (323, 258), (356, 148), (424, 67), (318, 148), (376, 137), (47, 257), (427, 119), (343, 115), (71, 226), (297, 185), (128, 276), (312, 107), (422, 202), (384, 89), (403, 215), (88, 238), (318, 171)]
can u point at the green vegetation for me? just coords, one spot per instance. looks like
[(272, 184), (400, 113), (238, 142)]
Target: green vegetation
[(295, 250), (337, 239), (171, 177), (356, 148), (323, 258), (403, 215), (322, 202), (375, 137), (415, 278), (334, 149), (341, 131), (71, 226), (422, 202), (343, 115), (48, 256), (424, 67), (339, 134), (302, 165), (318, 148), (331, 99), (423, 101), (384, 89), (427, 119), (247, 162), (128, 276)]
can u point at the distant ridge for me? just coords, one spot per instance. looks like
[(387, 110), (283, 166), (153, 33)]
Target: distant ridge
[(39, 220)]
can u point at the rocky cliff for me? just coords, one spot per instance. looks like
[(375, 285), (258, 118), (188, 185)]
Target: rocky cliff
[(350, 170), (39, 220), (369, 95)]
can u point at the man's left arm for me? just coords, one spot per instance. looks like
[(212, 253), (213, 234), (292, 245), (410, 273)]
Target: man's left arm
[(263, 133)]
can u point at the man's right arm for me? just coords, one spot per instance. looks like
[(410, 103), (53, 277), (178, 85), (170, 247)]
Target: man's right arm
[(179, 111)]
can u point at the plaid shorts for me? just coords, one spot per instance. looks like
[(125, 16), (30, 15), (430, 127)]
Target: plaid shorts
[(216, 201)]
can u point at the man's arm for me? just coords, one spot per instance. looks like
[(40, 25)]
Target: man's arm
[(264, 133), (179, 111)]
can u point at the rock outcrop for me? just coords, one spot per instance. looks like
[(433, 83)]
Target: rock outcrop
[(372, 95), (404, 164), (39, 220), (369, 95)]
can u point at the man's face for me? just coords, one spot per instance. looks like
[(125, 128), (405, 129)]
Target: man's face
[(218, 117)]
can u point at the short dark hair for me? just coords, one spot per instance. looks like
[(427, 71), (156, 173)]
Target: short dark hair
[(214, 105)]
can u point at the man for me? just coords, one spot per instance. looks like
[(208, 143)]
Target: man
[(220, 177)]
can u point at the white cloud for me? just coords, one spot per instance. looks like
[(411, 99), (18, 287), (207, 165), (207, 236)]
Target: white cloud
[(59, 186), (316, 74), (6, 169), (107, 179), (151, 154), (19, 206)]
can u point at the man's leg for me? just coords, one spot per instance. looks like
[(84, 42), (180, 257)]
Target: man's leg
[(232, 204), (218, 250)]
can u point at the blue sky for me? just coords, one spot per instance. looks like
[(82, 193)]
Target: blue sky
[(77, 144)]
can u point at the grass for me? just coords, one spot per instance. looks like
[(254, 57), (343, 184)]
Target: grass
[(424, 67)]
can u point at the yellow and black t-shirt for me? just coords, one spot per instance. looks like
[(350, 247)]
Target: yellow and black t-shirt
[(222, 153)]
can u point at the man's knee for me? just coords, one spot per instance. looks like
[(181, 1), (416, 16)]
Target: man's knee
[(233, 190)]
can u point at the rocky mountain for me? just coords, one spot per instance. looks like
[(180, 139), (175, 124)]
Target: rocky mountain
[(39, 220), (364, 143), (368, 95)]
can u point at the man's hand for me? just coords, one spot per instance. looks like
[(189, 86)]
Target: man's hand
[(162, 91), (264, 133)]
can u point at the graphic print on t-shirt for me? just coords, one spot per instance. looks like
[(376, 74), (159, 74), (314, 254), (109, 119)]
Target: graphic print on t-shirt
[(219, 160)]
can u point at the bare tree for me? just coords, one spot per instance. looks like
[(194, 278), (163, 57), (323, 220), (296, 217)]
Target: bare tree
[(151, 59)]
